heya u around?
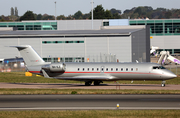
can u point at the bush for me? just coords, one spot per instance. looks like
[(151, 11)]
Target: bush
[(73, 92)]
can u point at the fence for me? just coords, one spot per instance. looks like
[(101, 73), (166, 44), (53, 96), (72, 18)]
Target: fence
[(174, 68)]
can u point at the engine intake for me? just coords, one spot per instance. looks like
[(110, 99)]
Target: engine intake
[(57, 67)]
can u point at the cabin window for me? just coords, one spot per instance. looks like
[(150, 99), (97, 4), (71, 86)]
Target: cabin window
[(136, 69), (106, 69), (92, 69), (131, 69), (78, 69), (116, 69), (102, 69), (121, 69), (126, 69), (88, 69), (111, 69), (83, 69), (97, 69)]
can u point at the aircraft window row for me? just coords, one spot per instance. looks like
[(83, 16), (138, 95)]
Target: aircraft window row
[(102, 69), (158, 67)]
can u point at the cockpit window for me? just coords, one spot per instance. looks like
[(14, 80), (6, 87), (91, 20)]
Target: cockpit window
[(158, 67)]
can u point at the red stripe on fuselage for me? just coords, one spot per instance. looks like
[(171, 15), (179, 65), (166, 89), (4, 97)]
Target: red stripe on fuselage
[(135, 73), (105, 72)]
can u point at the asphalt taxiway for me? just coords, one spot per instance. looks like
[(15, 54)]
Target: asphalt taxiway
[(80, 102), (82, 86)]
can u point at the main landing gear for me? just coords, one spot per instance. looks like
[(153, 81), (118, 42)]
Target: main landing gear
[(88, 83), (163, 84), (97, 82)]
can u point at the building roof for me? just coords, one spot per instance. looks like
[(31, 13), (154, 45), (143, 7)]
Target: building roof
[(65, 33)]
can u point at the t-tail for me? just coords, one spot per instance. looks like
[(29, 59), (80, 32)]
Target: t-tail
[(30, 56)]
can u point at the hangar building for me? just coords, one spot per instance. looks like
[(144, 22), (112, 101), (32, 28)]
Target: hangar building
[(125, 43)]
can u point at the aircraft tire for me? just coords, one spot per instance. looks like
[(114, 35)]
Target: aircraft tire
[(163, 85), (96, 83), (88, 83)]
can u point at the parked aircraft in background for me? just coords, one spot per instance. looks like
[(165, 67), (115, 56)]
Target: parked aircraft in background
[(153, 50), (93, 72), (165, 55)]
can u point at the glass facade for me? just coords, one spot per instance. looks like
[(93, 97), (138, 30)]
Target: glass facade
[(160, 27), (31, 25), (65, 59)]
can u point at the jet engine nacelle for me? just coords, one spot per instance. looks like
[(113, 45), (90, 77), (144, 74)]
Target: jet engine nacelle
[(57, 67)]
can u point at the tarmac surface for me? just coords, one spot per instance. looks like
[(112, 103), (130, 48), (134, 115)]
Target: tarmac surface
[(82, 86), (86, 102)]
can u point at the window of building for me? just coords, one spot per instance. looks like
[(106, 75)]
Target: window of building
[(106, 23), (56, 42)]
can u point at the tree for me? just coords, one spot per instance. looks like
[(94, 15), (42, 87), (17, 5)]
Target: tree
[(86, 16), (107, 15), (61, 17), (12, 11), (29, 15), (47, 17), (78, 15), (39, 17), (99, 12), (116, 16), (16, 12), (113, 11), (168, 14)]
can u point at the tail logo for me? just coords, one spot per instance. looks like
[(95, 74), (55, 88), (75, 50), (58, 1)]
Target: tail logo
[(34, 60)]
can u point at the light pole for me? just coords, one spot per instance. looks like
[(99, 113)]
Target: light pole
[(92, 13), (55, 10)]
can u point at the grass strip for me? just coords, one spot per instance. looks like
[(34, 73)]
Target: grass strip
[(92, 114), (19, 77), (82, 91)]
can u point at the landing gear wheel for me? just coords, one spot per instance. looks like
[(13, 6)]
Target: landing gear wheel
[(88, 83), (96, 83), (163, 85)]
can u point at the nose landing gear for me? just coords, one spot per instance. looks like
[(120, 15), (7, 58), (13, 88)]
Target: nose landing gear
[(163, 83)]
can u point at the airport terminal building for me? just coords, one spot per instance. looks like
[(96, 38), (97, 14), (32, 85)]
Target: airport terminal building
[(74, 40), (103, 44), (165, 33)]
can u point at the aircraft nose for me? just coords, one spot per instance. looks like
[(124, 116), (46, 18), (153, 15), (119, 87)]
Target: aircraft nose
[(172, 75)]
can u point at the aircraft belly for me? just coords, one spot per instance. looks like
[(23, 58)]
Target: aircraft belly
[(145, 76)]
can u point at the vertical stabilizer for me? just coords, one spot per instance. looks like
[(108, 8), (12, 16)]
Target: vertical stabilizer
[(29, 55)]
